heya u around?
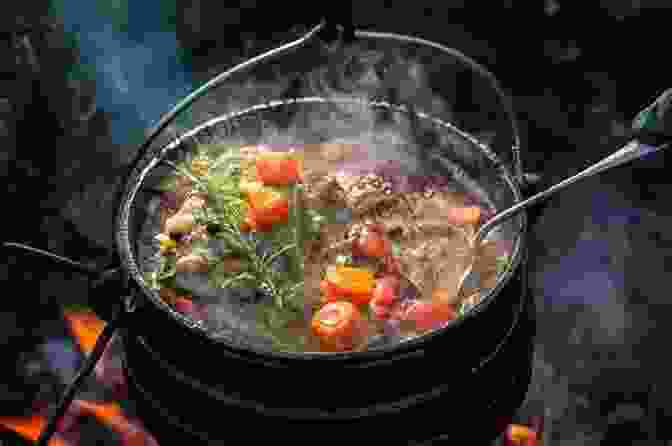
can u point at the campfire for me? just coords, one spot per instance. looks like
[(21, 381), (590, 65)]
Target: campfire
[(85, 327)]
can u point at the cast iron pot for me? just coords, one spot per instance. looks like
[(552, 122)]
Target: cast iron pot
[(462, 382)]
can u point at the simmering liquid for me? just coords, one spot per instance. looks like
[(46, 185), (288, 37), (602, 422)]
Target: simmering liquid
[(316, 248)]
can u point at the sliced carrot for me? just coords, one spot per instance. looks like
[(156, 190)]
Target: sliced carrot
[(338, 325), (429, 315), (333, 293), (268, 207), (279, 169), (372, 244), (354, 280)]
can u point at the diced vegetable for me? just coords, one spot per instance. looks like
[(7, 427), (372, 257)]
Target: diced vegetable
[(200, 166), (355, 283), (278, 168), (247, 224), (169, 200), (339, 326), (376, 227), (372, 244), (180, 224), (333, 293), (429, 315), (268, 207), (250, 223), (386, 291), (466, 215), (330, 292), (185, 305), (379, 308), (166, 244)]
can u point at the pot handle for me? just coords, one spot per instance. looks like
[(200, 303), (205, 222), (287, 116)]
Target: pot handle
[(338, 23), (107, 283)]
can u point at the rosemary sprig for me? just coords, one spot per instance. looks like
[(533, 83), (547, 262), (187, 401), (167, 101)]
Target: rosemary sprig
[(223, 216), (198, 183), (297, 224)]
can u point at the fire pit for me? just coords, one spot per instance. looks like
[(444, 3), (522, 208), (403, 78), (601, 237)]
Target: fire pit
[(400, 95)]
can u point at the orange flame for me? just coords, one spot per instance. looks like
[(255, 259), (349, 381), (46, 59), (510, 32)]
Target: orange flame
[(108, 413), (113, 416), (85, 326), (29, 428)]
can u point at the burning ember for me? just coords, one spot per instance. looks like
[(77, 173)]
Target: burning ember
[(30, 428), (524, 435), (85, 327)]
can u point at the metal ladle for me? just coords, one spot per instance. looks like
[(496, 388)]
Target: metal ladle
[(649, 121)]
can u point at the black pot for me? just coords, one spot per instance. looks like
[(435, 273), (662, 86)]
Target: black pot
[(463, 382)]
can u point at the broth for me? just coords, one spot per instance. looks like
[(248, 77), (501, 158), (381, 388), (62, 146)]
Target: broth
[(314, 249)]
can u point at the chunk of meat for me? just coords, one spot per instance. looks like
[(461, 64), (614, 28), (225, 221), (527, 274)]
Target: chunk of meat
[(321, 159), (432, 261), (366, 193), (322, 191)]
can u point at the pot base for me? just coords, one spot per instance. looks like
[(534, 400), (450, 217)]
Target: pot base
[(475, 412)]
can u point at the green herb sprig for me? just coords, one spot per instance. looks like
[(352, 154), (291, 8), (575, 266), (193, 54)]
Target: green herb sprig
[(223, 216)]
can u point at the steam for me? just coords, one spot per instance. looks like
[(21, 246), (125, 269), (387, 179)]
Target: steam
[(133, 58)]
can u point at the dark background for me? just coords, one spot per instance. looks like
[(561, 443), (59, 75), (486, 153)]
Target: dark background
[(578, 73)]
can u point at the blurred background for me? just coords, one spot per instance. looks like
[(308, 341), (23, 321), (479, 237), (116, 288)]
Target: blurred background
[(80, 83)]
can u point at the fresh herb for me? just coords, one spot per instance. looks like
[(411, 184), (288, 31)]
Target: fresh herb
[(223, 216), (344, 260), (75, 307), (502, 263), (272, 322), (367, 312), (183, 171), (216, 150), (396, 248), (167, 184), (167, 268), (297, 223)]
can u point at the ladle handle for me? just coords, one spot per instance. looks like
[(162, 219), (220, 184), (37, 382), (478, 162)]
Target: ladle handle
[(631, 151)]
